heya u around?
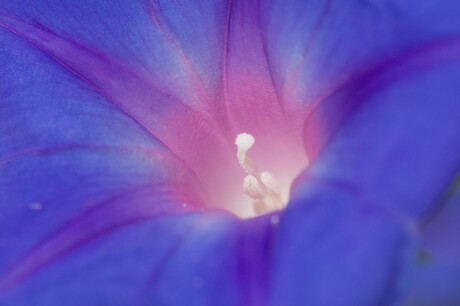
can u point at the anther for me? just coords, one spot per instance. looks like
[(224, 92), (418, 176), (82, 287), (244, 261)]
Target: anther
[(253, 188)]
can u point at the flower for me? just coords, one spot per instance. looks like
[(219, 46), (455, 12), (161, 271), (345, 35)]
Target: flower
[(118, 122)]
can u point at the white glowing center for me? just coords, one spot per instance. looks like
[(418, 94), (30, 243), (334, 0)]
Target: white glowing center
[(261, 187)]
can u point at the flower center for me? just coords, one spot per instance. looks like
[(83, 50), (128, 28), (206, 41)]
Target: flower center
[(261, 187)]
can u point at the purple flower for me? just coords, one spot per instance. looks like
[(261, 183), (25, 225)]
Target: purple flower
[(120, 182)]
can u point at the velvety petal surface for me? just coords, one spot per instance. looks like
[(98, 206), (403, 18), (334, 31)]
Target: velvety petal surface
[(378, 86), (437, 276), (144, 87), (73, 167), (317, 47), (90, 162), (391, 157)]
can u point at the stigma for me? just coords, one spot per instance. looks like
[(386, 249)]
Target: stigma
[(261, 187)]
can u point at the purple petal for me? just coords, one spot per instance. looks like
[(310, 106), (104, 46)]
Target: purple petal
[(125, 267), (437, 276), (333, 249), (76, 172), (386, 166), (317, 47), (388, 143), (66, 152), (393, 149)]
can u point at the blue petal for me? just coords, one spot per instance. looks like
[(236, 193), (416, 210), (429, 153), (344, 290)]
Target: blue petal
[(155, 262), (378, 156), (388, 126), (399, 149), (333, 249), (69, 161), (437, 275), (141, 32), (75, 167), (393, 155), (316, 46)]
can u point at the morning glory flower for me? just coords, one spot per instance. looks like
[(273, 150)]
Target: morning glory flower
[(224, 152)]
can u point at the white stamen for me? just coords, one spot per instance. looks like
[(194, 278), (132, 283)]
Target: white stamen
[(273, 190), (262, 188), (244, 142), (269, 181), (259, 207), (252, 187)]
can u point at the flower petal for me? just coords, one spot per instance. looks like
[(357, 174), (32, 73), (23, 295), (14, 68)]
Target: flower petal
[(317, 47), (148, 92), (330, 213), (139, 32), (377, 84), (141, 263), (394, 149), (335, 250), (391, 157), (65, 152), (437, 275)]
